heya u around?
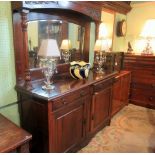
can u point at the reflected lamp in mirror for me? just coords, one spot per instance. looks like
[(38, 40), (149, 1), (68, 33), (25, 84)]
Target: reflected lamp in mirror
[(148, 33), (49, 51), (100, 56), (65, 47)]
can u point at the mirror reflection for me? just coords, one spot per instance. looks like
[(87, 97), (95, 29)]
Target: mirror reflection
[(68, 38)]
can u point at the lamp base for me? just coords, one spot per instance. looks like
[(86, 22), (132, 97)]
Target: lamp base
[(49, 87), (146, 53), (100, 71), (148, 50)]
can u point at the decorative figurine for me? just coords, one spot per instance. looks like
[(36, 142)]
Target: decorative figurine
[(130, 50)]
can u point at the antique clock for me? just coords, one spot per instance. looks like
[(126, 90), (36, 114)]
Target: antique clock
[(121, 28)]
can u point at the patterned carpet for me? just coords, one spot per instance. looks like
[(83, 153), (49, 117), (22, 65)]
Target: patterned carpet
[(131, 130)]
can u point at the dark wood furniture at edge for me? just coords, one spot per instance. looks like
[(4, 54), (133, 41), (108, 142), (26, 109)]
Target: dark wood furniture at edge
[(142, 69), (12, 138)]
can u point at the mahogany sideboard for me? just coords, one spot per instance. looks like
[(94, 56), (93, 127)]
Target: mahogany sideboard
[(12, 138), (65, 119), (142, 69)]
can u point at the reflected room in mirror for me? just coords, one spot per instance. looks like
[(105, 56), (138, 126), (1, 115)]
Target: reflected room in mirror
[(58, 30)]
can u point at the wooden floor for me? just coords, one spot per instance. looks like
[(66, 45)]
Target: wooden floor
[(131, 130)]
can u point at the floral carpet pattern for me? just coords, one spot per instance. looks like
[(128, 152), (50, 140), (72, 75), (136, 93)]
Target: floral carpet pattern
[(132, 130)]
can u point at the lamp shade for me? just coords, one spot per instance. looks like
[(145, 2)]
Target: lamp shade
[(98, 45), (49, 48), (103, 31), (148, 29), (66, 44), (102, 45)]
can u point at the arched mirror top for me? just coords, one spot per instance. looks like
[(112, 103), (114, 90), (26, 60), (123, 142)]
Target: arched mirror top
[(63, 8)]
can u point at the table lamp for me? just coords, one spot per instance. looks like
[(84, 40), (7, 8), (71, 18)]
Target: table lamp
[(103, 31), (65, 47), (49, 51), (148, 33), (103, 35), (100, 56)]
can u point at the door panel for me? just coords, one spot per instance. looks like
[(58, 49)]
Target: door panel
[(116, 104), (125, 87), (69, 126), (101, 108)]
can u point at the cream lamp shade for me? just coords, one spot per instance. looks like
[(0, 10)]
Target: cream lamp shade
[(65, 45), (148, 30), (103, 31), (49, 48), (98, 45)]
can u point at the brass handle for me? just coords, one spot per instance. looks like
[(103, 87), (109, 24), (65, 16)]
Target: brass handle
[(64, 101)]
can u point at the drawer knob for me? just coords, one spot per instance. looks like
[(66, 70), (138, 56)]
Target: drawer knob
[(64, 101)]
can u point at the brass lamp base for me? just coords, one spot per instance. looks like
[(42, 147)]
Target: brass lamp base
[(148, 50), (100, 71), (49, 87)]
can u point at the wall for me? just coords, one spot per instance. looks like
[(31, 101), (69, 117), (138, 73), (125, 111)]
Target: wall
[(108, 19), (119, 43), (135, 21), (8, 96)]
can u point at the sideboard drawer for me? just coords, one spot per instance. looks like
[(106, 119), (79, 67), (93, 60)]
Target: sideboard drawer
[(144, 73), (144, 97), (103, 84), (145, 86), (145, 80), (69, 98)]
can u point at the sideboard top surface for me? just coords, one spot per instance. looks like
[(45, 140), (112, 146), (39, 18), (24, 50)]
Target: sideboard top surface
[(63, 85)]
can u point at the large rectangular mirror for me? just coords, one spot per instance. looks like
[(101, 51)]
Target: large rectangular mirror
[(58, 30)]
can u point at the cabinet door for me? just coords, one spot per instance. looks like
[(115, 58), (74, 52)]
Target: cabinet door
[(69, 125), (101, 108), (125, 87), (116, 102)]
